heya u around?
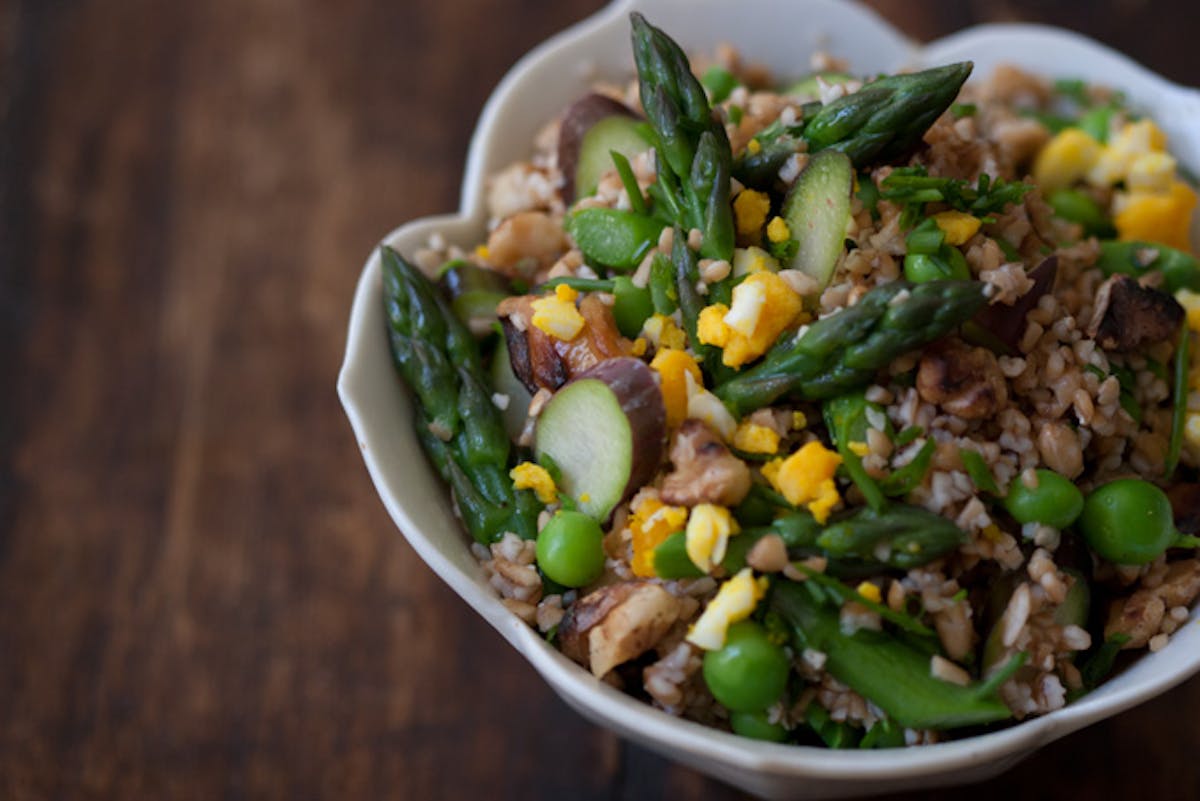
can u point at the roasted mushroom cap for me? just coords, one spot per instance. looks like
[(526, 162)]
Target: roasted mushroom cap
[(539, 360), (1128, 316)]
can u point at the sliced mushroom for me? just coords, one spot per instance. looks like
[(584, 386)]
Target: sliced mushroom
[(542, 362), (1128, 316), (963, 380), (1006, 324), (705, 471), (617, 623)]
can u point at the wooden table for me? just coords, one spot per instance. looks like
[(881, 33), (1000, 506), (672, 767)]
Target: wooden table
[(200, 594)]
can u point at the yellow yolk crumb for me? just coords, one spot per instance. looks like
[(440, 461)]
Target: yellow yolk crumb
[(750, 209), (663, 332), (1065, 159), (806, 478), (869, 591), (754, 438), (763, 306), (652, 522), (556, 314), (753, 260), (528, 475), (1190, 301), (672, 366), (778, 231), (734, 601), (1158, 217), (958, 226)]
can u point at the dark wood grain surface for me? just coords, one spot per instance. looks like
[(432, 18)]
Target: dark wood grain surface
[(200, 595)]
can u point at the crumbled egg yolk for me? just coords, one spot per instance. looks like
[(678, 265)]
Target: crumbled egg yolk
[(858, 448), (799, 421), (958, 226), (1116, 161), (734, 601), (638, 348), (750, 209), (778, 231), (556, 314), (1155, 204), (1066, 159), (753, 147), (763, 306), (671, 366), (705, 406), (806, 478), (528, 475), (1151, 172), (869, 591), (663, 332), (755, 438), (482, 253), (1190, 301), (1157, 216), (709, 528), (753, 260), (749, 300), (652, 522)]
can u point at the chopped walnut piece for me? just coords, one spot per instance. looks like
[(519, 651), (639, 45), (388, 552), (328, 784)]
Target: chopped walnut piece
[(617, 623), (963, 380), (705, 471), (1140, 616)]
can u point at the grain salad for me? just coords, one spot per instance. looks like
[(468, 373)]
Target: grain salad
[(856, 411)]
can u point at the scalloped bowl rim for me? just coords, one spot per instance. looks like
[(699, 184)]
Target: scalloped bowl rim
[(363, 389)]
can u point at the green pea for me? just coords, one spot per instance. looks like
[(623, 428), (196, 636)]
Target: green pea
[(948, 263), (1128, 521), (756, 726), (1054, 502), (570, 549), (750, 672)]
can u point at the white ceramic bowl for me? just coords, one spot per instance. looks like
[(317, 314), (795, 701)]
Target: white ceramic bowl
[(782, 34)]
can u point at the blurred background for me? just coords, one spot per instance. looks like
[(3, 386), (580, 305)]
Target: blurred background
[(200, 593)]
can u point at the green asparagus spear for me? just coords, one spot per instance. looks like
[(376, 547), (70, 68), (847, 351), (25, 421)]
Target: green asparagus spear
[(691, 303), (901, 536), (898, 537), (695, 160), (662, 285), (843, 351), (887, 671), (886, 118), (459, 427), (883, 120), (846, 419)]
